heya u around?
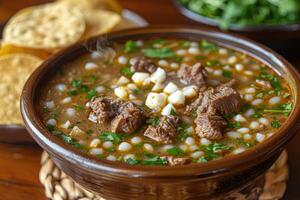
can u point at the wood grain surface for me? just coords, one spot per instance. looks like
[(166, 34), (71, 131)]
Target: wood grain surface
[(19, 164)]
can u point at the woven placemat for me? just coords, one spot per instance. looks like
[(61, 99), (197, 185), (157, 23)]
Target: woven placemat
[(58, 186)]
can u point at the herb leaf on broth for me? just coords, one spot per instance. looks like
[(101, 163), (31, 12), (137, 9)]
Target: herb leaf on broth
[(275, 124), (159, 53), (126, 71), (273, 80), (156, 160), (115, 138), (208, 45), (131, 47), (175, 151), (227, 73)]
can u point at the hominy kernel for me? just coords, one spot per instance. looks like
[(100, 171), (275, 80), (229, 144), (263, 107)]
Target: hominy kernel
[(107, 144), (274, 100), (163, 63), (232, 60), (129, 156), (248, 97), (248, 73), (148, 147), (233, 134), (247, 137), (100, 89), (111, 158), (61, 87), (254, 125), (193, 148), (264, 121), (95, 142), (194, 44), (50, 104), (239, 67), (218, 72), (52, 122), (70, 112), (122, 60), (181, 52), (124, 146), (243, 130), (194, 50), (250, 90), (256, 102), (96, 151), (190, 141), (66, 100), (197, 154), (90, 66), (260, 137), (249, 112), (223, 51), (136, 140), (205, 141), (174, 66), (238, 150), (239, 118)]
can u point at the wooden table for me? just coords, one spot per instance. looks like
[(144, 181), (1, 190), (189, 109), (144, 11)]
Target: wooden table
[(19, 164)]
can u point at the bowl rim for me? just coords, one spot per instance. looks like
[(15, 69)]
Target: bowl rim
[(226, 165), (234, 27)]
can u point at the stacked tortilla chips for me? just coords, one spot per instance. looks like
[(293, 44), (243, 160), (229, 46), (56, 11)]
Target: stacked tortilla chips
[(34, 33)]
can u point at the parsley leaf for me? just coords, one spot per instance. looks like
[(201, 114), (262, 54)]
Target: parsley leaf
[(91, 94), (208, 45), (212, 151), (126, 71), (131, 47), (227, 74), (175, 151), (111, 136), (159, 53), (275, 124), (132, 161), (183, 132), (155, 161)]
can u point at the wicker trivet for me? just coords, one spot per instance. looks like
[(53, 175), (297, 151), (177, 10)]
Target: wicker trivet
[(59, 186)]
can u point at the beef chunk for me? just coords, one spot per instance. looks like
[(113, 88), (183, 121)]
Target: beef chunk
[(165, 131), (173, 161), (222, 100), (209, 126), (130, 118), (142, 64), (103, 109), (196, 74)]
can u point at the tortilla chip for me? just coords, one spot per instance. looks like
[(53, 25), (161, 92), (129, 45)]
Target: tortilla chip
[(15, 70), (48, 26), (111, 5), (99, 22), (7, 49)]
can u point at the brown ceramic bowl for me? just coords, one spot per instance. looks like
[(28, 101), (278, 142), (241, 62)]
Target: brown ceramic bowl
[(116, 180)]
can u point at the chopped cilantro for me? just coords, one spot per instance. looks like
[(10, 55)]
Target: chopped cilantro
[(173, 112), (131, 47), (208, 45), (200, 57), (155, 161), (154, 121), (212, 150), (72, 92), (202, 160), (227, 74), (234, 125), (182, 131), (91, 94), (126, 71), (136, 91), (275, 83), (212, 63), (260, 95), (275, 124), (285, 109), (175, 151), (45, 110), (111, 149), (185, 43), (100, 156), (54, 115), (178, 59), (159, 53), (244, 143), (132, 161), (111, 136), (50, 127)]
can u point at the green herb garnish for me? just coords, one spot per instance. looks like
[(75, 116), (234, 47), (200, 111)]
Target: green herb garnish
[(234, 124), (208, 45), (131, 47), (155, 161), (212, 151), (115, 138), (275, 124), (126, 71), (183, 132), (175, 151), (91, 94), (159, 53), (153, 121), (227, 74), (132, 161)]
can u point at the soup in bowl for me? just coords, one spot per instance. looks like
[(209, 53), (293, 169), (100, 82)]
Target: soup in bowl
[(158, 112)]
